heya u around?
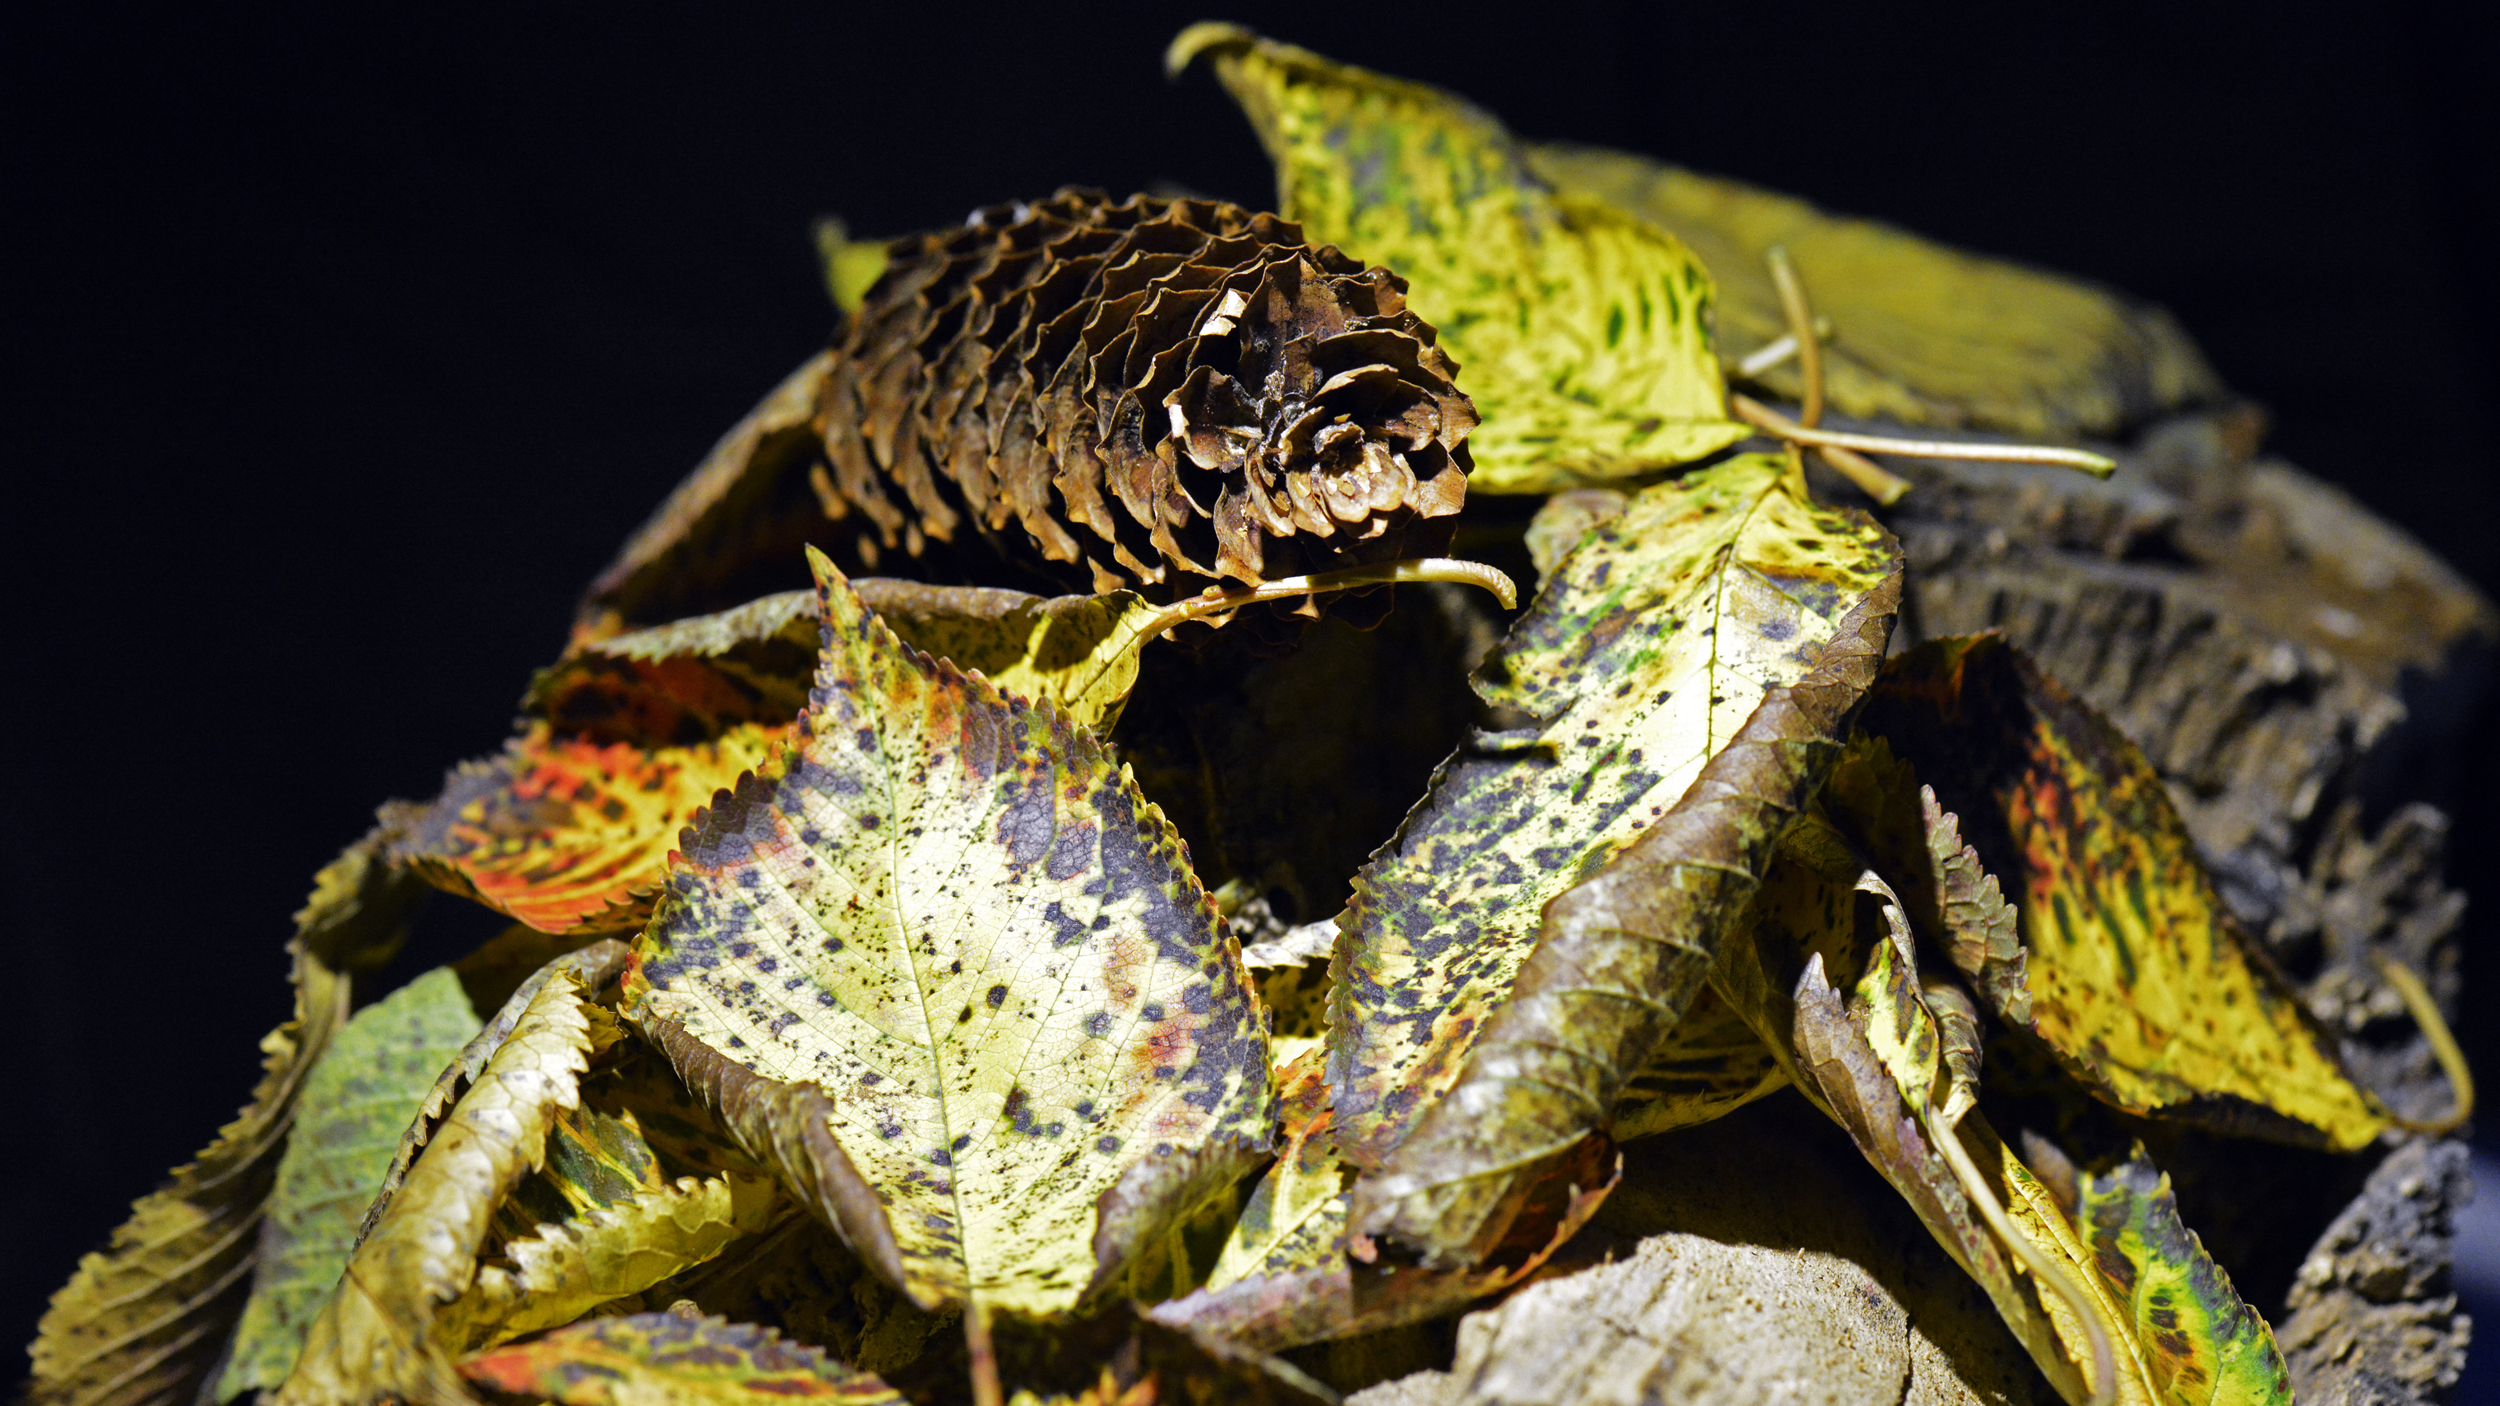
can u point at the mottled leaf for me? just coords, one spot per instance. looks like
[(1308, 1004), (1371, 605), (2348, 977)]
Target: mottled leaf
[(2202, 1342), (1078, 652), (360, 1095), (1584, 331), (142, 1322), (1295, 1215), (376, 1338), (1637, 662), (952, 954), (2140, 979), (663, 1359), (1620, 955), (1921, 333)]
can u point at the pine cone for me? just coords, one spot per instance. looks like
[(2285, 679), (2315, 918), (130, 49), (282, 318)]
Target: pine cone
[(1154, 394)]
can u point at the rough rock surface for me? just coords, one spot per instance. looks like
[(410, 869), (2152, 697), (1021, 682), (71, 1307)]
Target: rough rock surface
[(2373, 1320)]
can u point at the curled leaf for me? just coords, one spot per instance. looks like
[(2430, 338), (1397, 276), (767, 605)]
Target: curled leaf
[(1620, 955), (376, 1338), (951, 954), (665, 1359), (1639, 660), (1709, 1066), (1584, 330), (2140, 979)]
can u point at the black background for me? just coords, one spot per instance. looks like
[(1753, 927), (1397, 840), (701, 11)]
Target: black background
[(346, 346)]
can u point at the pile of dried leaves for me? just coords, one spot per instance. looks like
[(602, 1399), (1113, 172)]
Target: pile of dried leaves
[(869, 1030)]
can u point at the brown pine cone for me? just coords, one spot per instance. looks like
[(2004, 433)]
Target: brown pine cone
[(1154, 394)]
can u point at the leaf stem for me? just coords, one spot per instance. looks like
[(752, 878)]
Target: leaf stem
[(1217, 601), (1754, 412), (984, 1355), (2425, 1012), (1872, 479), (1948, 1140), (1792, 291)]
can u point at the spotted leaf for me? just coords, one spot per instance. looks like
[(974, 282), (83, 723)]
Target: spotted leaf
[(1639, 660), (2202, 1342), (951, 954), (1583, 330), (663, 1359), (2139, 977)]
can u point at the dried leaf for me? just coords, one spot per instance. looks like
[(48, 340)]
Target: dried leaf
[(357, 1099), (1922, 333), (663, 1359), (1620, 955), (1709, 1066), (2201, 1341), (570, 1268), (2140, 979), (142, 1322), (1981, 930), (1584, 330), (954, 910), (376, 1336), (592, 967), (1639, 660)]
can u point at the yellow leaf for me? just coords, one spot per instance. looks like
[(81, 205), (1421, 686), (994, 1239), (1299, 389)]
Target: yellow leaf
[(2140, 979), (1582, 330), (951, 975), (1922, 333), (1078, 652), (662, 1359)]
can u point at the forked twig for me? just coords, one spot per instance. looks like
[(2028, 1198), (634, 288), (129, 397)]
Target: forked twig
[(1872, 479)]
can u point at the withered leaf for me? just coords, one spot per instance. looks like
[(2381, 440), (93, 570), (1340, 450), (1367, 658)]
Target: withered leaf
[(1620, 955), (2140, 978), (1709, 1066), (376, 1337), (663, 1359), (1638, 661), (2201, 1342), (952, 955)]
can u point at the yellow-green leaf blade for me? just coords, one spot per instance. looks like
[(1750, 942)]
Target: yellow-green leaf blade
[(1645, 653), (1921, 333), (1582, 330), (2140, 979), (662, 1359), (2204, 1344), (954, 916), (363, 1092)]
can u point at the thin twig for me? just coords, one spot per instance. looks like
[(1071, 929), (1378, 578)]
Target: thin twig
[(2425, 1012), (2097, 465), (1801, 330), (977, 1345), (1872, 479), (1217, 601)]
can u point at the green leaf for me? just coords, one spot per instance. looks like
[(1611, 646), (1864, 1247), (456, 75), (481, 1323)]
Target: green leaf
[(2204, 1344), (1620, 955), (142, 1322), (356, 1101), (1921, 333), (662, 1359), (377, 1337), (952, 955), (1583, 331), (2140, 978), (1642, 656)]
